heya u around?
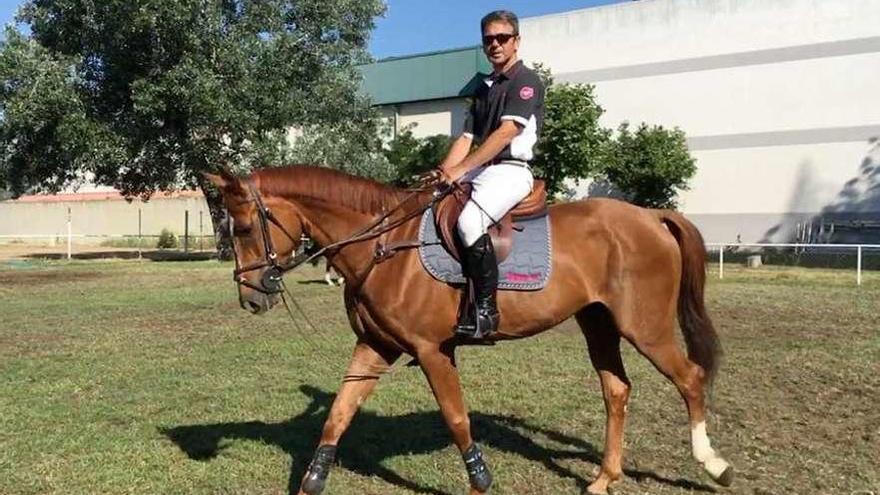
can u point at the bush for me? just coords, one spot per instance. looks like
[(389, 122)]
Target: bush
[(411, 156), (651, 165), (167, 240), (573, 143), (122, 242)]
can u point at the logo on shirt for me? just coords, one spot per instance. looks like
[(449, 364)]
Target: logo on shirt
[(527, 92)]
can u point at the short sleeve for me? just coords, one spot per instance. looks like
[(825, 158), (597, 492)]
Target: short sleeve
[(524, 97)]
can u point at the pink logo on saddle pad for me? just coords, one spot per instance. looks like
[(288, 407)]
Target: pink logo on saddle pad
[(521, 277), (527, 92)]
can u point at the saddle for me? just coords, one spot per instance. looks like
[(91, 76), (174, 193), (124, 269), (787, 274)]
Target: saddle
[(447, 211)]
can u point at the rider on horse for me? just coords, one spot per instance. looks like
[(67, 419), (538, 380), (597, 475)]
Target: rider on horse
[(505, 119)]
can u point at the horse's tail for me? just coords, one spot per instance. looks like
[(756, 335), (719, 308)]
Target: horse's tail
[(700, 336)]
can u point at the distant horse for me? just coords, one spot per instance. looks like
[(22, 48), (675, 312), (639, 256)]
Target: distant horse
[(620, 270), (331, 277)]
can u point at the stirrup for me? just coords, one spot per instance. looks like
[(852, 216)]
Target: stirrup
[(469, 330)]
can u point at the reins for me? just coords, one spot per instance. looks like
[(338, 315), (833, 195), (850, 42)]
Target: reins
[(271, 280), (367, 232)]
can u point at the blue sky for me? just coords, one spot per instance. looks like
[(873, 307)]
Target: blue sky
[(413, 26)]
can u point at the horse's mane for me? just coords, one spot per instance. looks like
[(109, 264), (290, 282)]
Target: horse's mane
[(329, 185)]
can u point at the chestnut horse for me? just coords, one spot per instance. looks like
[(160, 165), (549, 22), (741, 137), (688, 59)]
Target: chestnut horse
[(620, 270)]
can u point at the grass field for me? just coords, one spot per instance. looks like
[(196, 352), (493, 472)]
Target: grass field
[(145, 377)]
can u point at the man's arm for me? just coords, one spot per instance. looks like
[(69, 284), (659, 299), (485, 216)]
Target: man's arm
[(454, 166), (459, 149)]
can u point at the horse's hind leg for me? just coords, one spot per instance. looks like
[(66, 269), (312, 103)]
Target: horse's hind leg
[(367, 365), (665, 353), (603, 342)]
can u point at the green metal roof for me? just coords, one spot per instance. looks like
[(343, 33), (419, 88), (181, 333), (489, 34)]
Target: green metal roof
[(425, 76)]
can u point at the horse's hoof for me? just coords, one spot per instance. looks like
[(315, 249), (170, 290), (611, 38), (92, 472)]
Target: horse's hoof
[(726, 478), (478, 471), (481, 482), (316, 477), (312, 485)]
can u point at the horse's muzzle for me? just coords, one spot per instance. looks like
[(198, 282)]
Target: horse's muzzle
[(257, 303)]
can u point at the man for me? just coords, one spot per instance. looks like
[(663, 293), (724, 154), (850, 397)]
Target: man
[(505, 119)]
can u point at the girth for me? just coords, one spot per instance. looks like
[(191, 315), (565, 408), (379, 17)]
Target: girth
[(447, 211)]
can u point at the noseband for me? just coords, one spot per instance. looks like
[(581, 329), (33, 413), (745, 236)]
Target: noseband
[(270, 281)]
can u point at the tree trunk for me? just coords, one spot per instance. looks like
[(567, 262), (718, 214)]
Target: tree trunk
[(218, 219)]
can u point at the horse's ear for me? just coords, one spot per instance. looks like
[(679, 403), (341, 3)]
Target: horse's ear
[(226, 173), (218, 181), (226, 181)]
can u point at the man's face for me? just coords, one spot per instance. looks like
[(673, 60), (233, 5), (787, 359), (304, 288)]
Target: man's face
[(499, 43)]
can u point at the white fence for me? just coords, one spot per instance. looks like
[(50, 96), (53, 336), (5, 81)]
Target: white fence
[(197, 234), (848, 256), (103, 216), (829, 255)]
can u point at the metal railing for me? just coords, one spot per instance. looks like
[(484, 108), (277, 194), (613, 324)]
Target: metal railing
[(795, 251), (187, 243), (187, 239), (748, 248)]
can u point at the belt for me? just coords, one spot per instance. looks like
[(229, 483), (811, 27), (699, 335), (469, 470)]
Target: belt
[(508, 161)]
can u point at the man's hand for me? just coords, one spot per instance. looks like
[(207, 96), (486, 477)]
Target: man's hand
[(427, 179), (490, 148), (450, 174)]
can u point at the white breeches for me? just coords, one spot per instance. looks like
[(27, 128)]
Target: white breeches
[(496, 189)]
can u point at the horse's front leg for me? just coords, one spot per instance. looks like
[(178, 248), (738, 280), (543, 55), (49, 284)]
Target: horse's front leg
[(367, 365), (439, 367)]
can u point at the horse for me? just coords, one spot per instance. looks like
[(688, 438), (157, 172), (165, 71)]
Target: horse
[(622, 271)]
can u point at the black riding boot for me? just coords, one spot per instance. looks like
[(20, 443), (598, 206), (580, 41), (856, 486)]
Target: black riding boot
[(481, 267)]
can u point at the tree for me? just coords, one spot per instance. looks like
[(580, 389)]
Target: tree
[(45, 133), (410, 156), (650, 165), (145, 95), (572, 144), (353, 146)]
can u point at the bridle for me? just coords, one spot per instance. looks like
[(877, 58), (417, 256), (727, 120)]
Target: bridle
[(271, 281)]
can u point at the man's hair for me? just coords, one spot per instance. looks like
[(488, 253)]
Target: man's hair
[(500, 16)]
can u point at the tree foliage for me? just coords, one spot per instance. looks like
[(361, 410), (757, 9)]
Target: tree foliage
[(144, 95), (353, 146), (410, 156), (650, 165), (572, 144), (45, 131)]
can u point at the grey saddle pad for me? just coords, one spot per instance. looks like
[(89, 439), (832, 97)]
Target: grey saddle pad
[(526, 268)]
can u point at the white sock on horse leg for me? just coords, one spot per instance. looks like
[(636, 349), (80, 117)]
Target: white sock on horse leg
[(704, 453)]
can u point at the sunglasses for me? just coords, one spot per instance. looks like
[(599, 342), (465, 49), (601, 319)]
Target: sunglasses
[(501, 38)]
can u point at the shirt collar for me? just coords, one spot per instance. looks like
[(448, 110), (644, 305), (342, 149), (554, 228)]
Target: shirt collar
[(505, 75), (511, 71)]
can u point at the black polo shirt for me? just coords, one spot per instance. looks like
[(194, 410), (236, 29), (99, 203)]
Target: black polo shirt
[(516, 95)]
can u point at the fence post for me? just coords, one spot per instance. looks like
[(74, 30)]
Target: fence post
[(140, 234), (69, 235), (721, 261), (859, 265), (201, 235), (186, 231)]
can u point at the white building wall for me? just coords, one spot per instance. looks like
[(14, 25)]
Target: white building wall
[(104, 217), (779, 99), (428, 117)]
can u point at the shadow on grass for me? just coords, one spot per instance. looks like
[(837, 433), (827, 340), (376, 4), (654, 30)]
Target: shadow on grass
[(373, 438)]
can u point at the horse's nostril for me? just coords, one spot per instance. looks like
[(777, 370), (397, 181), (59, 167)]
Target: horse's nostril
[(252, 307)]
